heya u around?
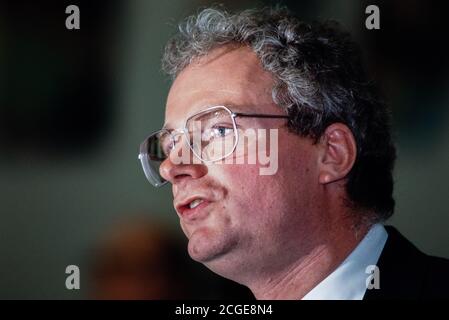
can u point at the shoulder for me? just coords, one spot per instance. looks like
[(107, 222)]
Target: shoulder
[(406, 272), (436, 281)]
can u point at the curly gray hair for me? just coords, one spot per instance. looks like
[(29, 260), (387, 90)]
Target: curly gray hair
[(319, 80)]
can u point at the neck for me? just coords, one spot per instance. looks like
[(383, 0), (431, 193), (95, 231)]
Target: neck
[(295, 280)]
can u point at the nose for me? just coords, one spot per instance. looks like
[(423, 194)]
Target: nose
[(180, 164)]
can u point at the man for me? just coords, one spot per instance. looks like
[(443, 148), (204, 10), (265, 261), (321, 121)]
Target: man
[(312, 227)]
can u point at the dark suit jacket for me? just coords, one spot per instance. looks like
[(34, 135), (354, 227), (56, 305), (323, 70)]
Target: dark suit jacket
[(407, 273)]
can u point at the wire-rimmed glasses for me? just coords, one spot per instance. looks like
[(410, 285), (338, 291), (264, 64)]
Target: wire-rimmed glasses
[(210, 134)]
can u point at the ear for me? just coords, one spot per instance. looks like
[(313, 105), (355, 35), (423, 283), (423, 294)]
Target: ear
[(338, 151)]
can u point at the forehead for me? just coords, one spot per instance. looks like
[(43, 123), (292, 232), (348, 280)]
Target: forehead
[(231, 76)]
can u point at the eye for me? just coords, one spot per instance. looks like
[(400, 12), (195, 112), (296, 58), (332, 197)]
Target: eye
[(221, 131)]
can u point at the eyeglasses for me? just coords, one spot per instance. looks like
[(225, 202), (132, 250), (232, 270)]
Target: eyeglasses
[(210, 134)]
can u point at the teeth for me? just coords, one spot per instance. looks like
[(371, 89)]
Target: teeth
[(195, 203)]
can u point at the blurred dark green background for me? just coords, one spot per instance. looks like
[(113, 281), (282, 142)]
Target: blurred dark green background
[(75, 105)]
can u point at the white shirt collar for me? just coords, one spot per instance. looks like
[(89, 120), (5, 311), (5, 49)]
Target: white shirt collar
[(348, 281)]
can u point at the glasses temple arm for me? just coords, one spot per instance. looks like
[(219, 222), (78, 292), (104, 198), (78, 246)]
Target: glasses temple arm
[(258, 115)]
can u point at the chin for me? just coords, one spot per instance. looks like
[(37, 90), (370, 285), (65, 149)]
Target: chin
[(201, 249), (206, 246)]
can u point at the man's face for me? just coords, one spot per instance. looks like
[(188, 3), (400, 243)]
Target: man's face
[(245, 219)]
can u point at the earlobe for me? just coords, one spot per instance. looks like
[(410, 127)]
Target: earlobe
[(338, 153), (325, 177)]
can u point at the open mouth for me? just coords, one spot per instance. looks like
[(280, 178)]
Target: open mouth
[(193, 208), (195, 203)]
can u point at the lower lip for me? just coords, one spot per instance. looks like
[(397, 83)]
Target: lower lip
[(195, 212)]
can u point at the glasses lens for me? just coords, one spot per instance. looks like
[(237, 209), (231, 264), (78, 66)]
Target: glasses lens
[(153, 151), (212, 134)]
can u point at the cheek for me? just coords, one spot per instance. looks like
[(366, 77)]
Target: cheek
[(298, 159), (239, 179), (250, 195)]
